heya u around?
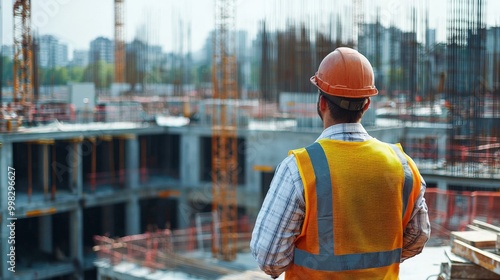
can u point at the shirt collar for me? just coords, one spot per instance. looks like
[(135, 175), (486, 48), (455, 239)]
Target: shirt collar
[(345, 132)]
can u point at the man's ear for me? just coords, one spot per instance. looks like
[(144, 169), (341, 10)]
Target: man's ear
[(322, 103), (367, 105)]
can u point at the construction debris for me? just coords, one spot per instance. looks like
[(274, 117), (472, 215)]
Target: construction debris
[(475, 254), (458, 268)]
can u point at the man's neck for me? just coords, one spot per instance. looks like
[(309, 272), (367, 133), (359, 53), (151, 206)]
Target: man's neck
[(327, 122)]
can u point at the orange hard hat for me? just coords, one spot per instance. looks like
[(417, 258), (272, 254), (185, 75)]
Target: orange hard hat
[(345, 73)]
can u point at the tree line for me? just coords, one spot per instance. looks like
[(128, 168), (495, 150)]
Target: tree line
[(101, 72)]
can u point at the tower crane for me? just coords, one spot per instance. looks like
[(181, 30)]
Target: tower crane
[(23, 47), (119, 41), (224, 136)]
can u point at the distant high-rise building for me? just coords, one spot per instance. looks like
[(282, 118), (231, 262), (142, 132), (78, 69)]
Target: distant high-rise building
[(408, 56), (102, 49), (430, 37), (492, 58), (374, 43), (80, 58), (52, 53)]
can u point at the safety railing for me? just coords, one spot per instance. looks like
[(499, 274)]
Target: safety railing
[(150, 249), (164, 249), (454, 210)]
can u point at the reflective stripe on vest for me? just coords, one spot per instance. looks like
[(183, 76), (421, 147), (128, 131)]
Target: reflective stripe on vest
[(326, 259), (408, 185)]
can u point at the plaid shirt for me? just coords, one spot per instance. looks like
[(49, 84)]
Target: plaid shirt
[(280, 219)]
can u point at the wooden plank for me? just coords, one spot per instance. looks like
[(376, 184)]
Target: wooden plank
[(453, 258), (473, 227), (479, 239), (487, 226), (458, 268), (478, 256), (470, 271)]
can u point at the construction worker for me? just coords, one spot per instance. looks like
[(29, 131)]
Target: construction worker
[(347, 206)]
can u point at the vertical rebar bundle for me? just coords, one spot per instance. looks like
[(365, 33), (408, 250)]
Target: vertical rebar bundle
[(465, 91)]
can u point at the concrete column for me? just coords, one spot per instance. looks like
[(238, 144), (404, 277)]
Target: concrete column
[(108, 219), (442, 140), (442, 185), (1, 52), (39, 175), (251, 176), (133, 216), (442, 201), (45, 234), (190, 175), (75, 165), (104, 156), (43, 169), (76, 241), (184, 211), (189, 157), (133, 211), (6, 161), (132, 160)]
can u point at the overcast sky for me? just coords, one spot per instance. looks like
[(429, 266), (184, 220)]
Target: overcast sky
[(165, 22)]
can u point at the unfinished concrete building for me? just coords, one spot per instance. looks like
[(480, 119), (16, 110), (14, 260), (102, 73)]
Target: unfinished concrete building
[(137, 169)]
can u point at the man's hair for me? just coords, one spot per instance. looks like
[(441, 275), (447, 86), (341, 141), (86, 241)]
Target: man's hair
[(342, 115)]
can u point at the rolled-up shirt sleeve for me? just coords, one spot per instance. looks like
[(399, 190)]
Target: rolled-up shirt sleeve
[(279, 220), (418, 230)]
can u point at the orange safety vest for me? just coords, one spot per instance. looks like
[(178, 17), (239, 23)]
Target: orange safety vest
[(359, 198)]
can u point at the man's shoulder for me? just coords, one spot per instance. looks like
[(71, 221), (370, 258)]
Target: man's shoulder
[(288, 164)]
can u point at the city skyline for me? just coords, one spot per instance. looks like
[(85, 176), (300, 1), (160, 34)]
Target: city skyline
[(175, 25), (48, 16)]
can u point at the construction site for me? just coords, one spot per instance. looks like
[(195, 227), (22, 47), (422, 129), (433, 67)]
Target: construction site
[(160, 172)]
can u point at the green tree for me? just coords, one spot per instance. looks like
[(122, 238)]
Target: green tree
[(100, 73), (62, 76), (7, 71), (75, 74)]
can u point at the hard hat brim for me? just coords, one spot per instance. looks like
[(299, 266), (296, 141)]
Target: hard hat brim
[(343, 91)]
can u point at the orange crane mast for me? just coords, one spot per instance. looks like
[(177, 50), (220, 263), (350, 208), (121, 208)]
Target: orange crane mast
[(224, 136), (119, 41), (23, 46)]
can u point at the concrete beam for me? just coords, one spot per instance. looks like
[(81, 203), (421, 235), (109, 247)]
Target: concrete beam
[(90, 130), (477, 183)]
